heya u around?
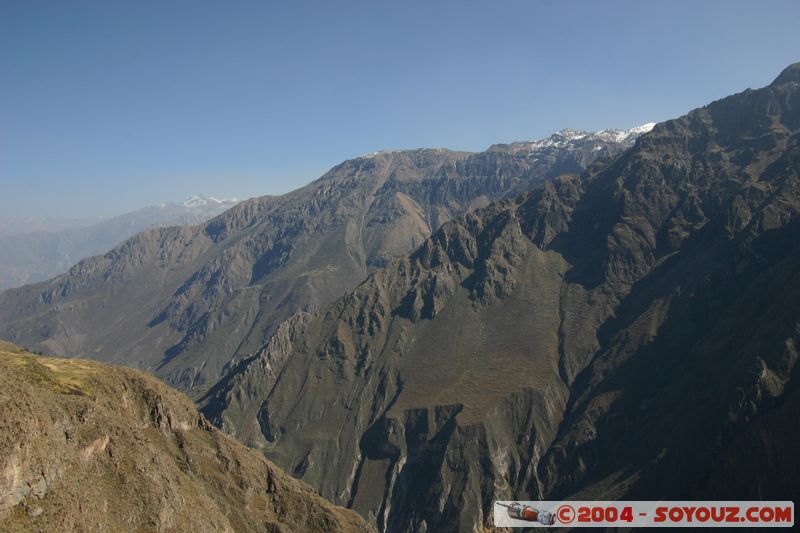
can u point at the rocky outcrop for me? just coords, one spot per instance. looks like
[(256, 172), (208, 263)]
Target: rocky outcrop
[(627, 333), (89, 447)]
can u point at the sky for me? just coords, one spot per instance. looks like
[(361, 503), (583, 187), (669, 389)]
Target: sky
[(107, 106)]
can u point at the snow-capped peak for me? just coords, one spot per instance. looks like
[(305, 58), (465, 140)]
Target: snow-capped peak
[(569, 137), (200, 200), (620, 136), (644, 128)]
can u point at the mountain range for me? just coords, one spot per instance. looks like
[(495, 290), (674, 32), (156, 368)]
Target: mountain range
[(628, 333), (609, 315), (38, 248), (186, 303)]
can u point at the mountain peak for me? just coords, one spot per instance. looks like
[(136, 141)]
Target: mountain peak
[(201, 200), (790, 74), (569, 137), (625, 135), (644, 128)]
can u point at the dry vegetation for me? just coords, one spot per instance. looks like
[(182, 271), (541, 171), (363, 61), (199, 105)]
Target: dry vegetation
[(90, 447)]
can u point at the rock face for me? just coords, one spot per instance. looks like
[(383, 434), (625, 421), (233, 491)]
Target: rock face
[(184, 302), (88, 447), (630, 333)]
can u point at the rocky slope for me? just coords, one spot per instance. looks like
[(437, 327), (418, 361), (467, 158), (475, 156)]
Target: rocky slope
[(184, 302), (31, 256), (629, 333), (88, 447)]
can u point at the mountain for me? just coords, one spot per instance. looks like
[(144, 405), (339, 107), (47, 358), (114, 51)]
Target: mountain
[(628, 333), (90, 447), (31, 224), (28, 257), (186, 303), (207, 205), (576, 141)]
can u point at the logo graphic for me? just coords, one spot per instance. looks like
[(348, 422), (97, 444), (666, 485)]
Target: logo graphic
[(517, 511), (640, 514)]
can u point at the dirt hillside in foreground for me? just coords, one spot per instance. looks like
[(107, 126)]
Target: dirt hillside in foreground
[(87, 446)]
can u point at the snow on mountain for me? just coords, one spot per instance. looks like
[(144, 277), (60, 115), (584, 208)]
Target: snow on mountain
[(564, 139), (200, 200), (622, 136), (569, 138), (644, 128)]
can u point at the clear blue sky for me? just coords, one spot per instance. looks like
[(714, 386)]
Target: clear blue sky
[(106, 106)]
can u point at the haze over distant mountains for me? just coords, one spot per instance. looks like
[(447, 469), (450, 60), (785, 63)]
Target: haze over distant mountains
[(31, 224), (37, 248), (184, 302)]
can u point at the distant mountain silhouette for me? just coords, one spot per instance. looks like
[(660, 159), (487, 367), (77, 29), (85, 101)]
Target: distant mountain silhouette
[(32, 256)]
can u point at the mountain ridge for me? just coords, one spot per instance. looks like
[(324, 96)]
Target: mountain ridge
[(216, 292), (629, 333), (569, 136)]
